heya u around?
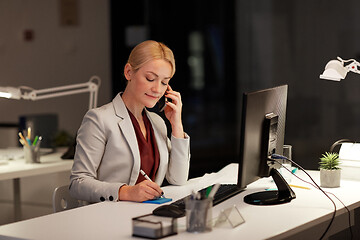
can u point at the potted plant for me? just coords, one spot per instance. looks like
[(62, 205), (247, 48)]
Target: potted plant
[(330, 172)]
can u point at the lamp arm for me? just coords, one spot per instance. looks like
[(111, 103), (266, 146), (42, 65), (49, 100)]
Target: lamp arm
[(91, 86), (353, 67)]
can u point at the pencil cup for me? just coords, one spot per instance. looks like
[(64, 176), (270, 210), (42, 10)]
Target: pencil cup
[(32, 154), (198, 215)]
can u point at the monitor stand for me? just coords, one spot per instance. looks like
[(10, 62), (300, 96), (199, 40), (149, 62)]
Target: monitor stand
[(284, 193)]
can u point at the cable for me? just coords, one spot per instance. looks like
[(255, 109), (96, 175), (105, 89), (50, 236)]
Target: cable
[(348, 211), (316, 186), (274, 157)]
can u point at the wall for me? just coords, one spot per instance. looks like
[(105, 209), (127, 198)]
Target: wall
[(58, 55), (290, 42)]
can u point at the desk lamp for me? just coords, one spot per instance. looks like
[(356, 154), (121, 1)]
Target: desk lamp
[(28, 93), (335, 69), (350, 160)]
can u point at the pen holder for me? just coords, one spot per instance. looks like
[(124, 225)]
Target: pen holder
[(32, 154), (198, 215)]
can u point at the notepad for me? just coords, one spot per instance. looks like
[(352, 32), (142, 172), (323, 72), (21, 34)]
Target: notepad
[(158, 200), (154, 227)]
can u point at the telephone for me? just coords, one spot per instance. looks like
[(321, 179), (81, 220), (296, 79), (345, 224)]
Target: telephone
[(162, 103)]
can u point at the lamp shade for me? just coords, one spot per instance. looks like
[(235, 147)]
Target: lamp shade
[(10, 92), (334, 70)]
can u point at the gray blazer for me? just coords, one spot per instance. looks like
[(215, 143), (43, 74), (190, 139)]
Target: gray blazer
[(107, 154)]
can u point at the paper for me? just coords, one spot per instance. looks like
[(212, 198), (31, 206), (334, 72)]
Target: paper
[(350, 151)]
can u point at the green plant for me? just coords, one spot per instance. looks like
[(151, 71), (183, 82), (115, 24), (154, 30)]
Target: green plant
[(63, 139), (329, 161)]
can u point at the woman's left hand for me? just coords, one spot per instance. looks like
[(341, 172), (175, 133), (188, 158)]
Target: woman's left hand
[(173, 112)]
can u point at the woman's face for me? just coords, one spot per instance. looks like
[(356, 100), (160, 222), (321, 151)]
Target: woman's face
[(149, 83)]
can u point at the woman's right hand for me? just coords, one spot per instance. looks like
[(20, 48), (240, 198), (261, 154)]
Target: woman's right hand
[(142, 191)]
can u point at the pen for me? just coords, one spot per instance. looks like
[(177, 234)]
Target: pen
[(296, 186), (147, 178), (29, 133), (145, 175), (291, 185), (208, 190), (22, 137), (28, 141), (214, 189), (38, 142), (195, 195), (35, 140), (22, 142)]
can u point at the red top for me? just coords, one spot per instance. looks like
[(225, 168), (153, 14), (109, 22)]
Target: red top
[(149, 153)]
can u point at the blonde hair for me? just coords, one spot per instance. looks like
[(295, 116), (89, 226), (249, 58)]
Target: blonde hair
[(150, 50)]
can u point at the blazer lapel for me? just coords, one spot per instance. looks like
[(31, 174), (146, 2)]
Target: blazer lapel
[(163, 150), (128, 131)]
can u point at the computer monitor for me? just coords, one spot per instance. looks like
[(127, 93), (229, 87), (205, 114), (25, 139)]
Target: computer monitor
[(262, 134)]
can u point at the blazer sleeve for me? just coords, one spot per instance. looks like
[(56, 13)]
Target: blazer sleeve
[(179, 164), (175, 165), (91, 143)]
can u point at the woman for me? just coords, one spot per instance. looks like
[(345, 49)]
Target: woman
[(121, 138)]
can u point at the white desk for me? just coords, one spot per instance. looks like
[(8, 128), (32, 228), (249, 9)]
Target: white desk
[(305, 217), (16, 169)]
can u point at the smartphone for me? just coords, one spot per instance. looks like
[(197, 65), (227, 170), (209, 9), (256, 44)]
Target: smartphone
[(162, 103)]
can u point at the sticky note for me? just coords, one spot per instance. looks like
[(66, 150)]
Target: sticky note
[(158, 200)]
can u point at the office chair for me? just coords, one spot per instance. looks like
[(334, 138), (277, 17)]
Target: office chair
[(62, 200)]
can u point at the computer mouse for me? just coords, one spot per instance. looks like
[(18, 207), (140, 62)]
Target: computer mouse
[(169, 211)]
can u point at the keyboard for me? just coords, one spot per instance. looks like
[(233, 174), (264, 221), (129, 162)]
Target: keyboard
[(11, 153), (225, 192), (15, 153)]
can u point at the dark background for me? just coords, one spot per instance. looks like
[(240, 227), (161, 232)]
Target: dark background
[(225, 48)]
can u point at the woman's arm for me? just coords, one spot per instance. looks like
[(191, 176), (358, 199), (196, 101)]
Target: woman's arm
[(178, 169), (91, 144), (179, 164)]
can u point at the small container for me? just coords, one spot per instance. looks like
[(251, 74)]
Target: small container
[(155, 227), (287, 152), (198, 215), (32, 154)]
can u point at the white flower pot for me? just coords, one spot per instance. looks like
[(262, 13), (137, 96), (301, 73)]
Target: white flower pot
[(330, 178)]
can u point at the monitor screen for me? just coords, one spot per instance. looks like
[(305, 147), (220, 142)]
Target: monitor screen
[(262, 134)]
